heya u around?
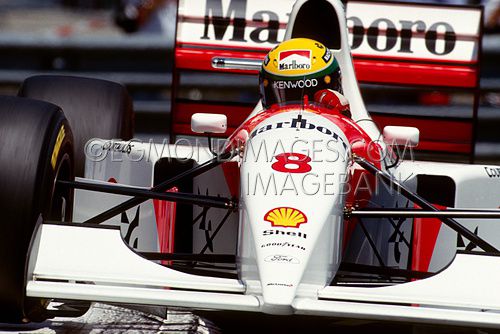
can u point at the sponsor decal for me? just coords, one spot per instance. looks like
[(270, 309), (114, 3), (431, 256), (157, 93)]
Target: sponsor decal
[(292, 163), (295, 84), (267, 60), (294, 60), (286, 233), (300, 123), (288, 285), (282, 244), (470, 245), (217, 23), (285, 217), (397, 238), (282, 259), (57, 146), (207, 223), (132, 226), (492, 171), (421, 35), (397, 35), (388, 29), (118, 147), (327, 56)]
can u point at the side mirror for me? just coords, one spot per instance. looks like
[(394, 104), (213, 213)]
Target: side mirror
[(401, 135), (208, 123)]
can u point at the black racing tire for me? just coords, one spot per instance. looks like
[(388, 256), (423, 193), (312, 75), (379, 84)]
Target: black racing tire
[(36, 150), (94, 108)]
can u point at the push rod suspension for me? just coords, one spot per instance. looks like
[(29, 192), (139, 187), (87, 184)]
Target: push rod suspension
[(201, 200), (424, 204), (215, 258), (409, 213), (162, 187)]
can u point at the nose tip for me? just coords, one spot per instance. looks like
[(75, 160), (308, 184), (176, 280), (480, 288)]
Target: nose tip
[(277, 309), (277, 300)]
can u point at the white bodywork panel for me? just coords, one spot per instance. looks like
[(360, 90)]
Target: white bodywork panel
[(445, 289), (313, 245), (122, 276), (99, 255)]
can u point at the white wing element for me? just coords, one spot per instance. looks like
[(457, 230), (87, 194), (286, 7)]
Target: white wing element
[(94, 254), (464, 294), (469, 282)]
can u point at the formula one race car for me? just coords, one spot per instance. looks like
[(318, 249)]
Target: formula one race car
[(301, 211)]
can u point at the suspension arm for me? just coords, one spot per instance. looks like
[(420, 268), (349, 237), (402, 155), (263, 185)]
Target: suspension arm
[(424, 204), (162, 187), (201, 200)]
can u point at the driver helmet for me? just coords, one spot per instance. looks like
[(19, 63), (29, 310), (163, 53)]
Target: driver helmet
[(296, 68)]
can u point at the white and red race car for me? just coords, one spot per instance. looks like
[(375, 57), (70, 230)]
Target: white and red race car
[(300, 212)]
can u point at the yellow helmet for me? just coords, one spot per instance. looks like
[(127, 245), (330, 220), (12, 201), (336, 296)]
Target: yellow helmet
[(298, 67)]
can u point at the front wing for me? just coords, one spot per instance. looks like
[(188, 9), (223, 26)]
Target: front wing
[(81, 262)]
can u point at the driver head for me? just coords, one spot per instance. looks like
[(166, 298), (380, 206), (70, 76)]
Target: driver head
[(296, 68)]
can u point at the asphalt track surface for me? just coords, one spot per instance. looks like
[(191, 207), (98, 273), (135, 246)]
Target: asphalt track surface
[(104, 318)]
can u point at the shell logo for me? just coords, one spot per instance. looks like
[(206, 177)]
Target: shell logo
[(285, 217)]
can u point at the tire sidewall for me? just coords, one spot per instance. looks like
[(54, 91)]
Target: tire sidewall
[(56, 165)]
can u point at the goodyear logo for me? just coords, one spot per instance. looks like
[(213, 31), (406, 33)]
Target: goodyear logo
[(285, 217), (57, 146)]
